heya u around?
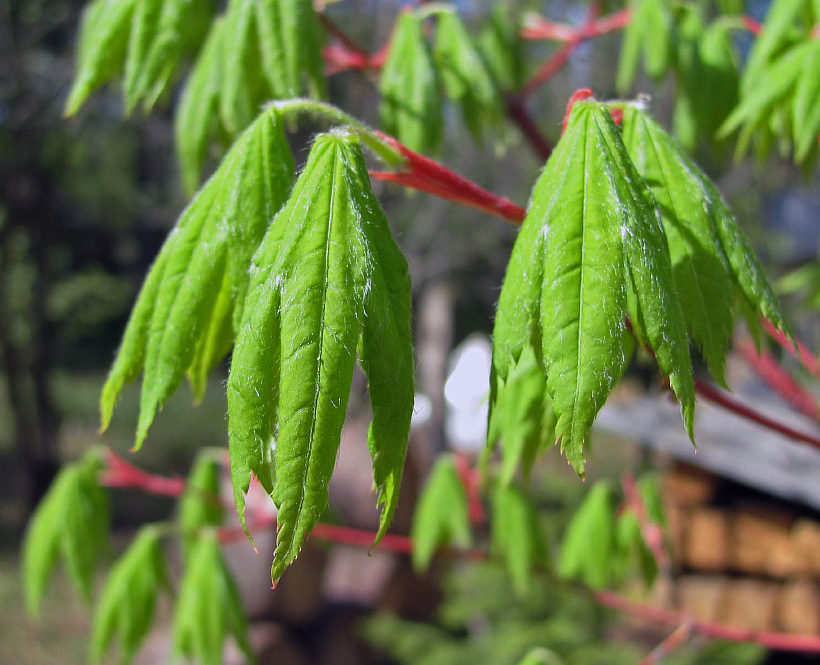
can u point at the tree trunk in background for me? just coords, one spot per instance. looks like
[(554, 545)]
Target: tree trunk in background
[(434, 340)]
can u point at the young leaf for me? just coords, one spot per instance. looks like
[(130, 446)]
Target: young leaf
[(648, 31), (631, 546), (327, 274), (200, 504), (195, 121), (522, 417), (591, 234), (441, 517), (103, 44), (541, 656), (209, 607), (180, 301), (72, 520), (410, 106), (806, 105), (143, 27), (589, 541), (516, 536), (503, 48), (290, 44), (241, 79), (127, 603), (466, 79), (710, 254)]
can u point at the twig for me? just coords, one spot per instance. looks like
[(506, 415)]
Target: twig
[(800, 352), (678, 638), (720, 398), (778, 378), (652, 533), (518, 113)]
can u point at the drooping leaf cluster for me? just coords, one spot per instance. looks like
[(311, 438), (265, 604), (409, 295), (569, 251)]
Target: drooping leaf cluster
[(207, 608), (779, 106), (71, 523), (327, 283), (623, 229), (699, 53), (255, 51), (416, 76)]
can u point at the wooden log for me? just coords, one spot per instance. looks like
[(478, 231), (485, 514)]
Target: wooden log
[(806, 539), (707, 543), (798, 607), (763, 543), (703, 596), (689, 485), (750, 604)]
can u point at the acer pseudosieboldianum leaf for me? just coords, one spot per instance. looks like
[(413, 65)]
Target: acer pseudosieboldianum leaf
[(649, 31), (522, 417), (126, 606), (410, 106), (711, 258), (516, 536), (591, 236), (200, 505), (327, 279), (442, 516), (72, 521), (196, 286), (209, 607)]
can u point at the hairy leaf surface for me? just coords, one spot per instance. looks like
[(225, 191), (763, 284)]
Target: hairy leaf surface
[(182, 300), (441, 517), (591, 234), (327, 275), (703, 233), (410, 106), (126, 606)]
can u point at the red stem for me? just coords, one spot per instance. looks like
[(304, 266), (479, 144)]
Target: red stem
[(517, 112), (801, 352), (652, 533), (778, 378), (678, 638), (546, 29), (125, 475), (731, 404)]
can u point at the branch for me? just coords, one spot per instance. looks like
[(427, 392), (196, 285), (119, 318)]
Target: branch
[(679, 637), (517, 112), (778, 378), (800, 351), (729, 403), (124, 475)]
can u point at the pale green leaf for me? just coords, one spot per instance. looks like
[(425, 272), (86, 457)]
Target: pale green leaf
[(410, 106), (464, 75), (441, 517), (72, 521), (126, 606), (290, 45), (200, 505), (209, 607), (703, 286), (180, 302), (327, 274), (143, 29), (516, 536), (589, 542), (541, 656), (195, 119), (806, 104), (102, 48), (780, 19), (502, 47)]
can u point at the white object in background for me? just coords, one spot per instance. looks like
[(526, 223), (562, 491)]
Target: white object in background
[(466, 392)]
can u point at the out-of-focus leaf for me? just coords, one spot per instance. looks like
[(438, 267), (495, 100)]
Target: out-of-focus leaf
[(200, 505), (126, 606), (410, 106), (587, 552), (209, 607), (72, 521), (441, 517)]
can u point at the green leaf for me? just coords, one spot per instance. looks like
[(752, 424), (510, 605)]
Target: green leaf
[(327, 274), (522, 417), (466, 79), (592, 232), (209, 607), (441, 517), (126, 606), (502, 47), (200, 505), (806, 105), (589, 542), (143, 28), (290, 43), (195, 120), (779, 21), (72, 520), (699, 223), (102, 48), (516, 536), (648, 31), (180, 301), (410, 106), (541, 656), (631, 546)]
